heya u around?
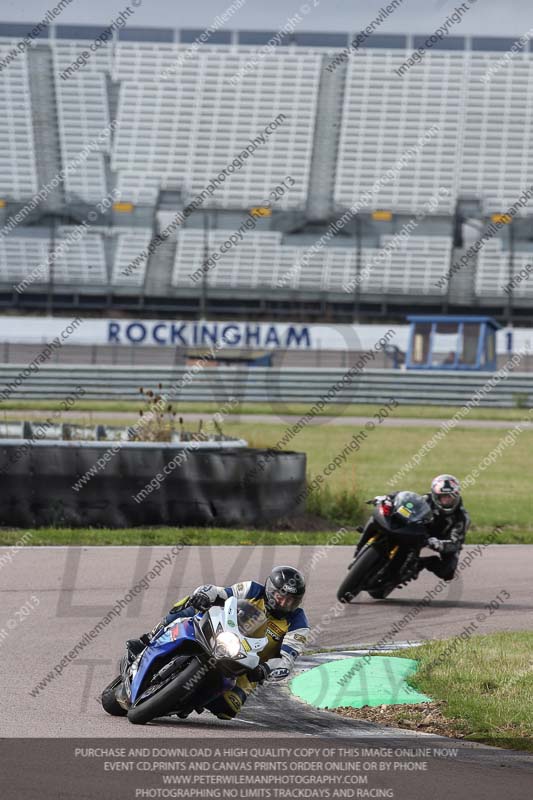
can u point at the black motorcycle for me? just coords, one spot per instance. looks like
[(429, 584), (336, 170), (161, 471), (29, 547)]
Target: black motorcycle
[(389, 551)]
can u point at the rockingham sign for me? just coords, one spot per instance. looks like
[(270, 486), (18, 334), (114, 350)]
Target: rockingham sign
[(227, 335), (193, 334), (204, 334)]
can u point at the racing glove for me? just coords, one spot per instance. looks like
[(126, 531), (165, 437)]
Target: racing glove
[(259, 674), (435, 544), (205, 596), (379, 498)]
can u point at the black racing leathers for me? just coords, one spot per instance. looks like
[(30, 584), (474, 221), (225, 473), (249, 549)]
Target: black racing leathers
[(449, 529)]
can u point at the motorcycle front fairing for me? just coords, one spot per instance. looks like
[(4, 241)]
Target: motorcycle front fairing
[(407, 534), (170, 640), (204, 631), (224, 620)]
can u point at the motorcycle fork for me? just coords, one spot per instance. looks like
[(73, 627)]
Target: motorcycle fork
[(358, 552), (372, 540), (393, 552), (390, 556)]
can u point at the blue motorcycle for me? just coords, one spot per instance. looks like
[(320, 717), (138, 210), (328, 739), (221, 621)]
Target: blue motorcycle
[(188, 663)]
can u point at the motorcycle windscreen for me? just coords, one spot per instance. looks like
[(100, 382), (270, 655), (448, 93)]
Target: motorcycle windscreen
[(251, 619), (169, 641), (411, 514), (411, 508)]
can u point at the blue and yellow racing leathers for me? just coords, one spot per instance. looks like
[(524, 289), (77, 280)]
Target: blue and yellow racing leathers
[(287, 636)]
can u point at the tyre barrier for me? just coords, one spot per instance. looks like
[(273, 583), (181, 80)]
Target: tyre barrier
[(127, 484)]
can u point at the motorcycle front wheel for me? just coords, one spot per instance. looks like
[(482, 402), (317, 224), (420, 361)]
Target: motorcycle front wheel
[(361, 570), (109, 699), (382, 593), (167, 699)]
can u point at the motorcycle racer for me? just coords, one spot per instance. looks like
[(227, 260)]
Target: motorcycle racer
[(287, 629), (450, 524), (447, 528)]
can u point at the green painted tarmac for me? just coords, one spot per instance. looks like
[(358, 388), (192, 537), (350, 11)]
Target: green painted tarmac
[(358, 682)]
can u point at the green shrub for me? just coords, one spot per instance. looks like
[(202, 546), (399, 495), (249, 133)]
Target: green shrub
[(344, 506), (520, 400)]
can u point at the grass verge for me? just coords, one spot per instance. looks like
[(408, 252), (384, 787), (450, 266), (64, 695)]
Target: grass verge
[(501, 497), (210, 536), (486, 685), (165, 536), (275, 409)]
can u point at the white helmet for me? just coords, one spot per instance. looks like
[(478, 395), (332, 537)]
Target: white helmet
[(446, 493)]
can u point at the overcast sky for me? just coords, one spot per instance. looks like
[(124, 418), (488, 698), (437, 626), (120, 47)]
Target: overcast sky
[(487, 17)]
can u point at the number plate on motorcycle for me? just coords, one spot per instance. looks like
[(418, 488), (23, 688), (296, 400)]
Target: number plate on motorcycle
[(405, 512)]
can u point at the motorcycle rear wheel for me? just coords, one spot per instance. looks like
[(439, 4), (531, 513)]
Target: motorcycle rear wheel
[(359, 573), (164, 701)]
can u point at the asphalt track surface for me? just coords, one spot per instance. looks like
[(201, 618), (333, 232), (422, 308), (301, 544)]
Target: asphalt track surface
[(75, 587), (276, 418), (349, 421)]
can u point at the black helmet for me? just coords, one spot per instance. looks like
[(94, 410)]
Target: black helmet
[(284, 590)]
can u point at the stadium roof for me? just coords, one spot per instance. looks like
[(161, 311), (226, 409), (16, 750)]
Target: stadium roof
[(257, 38)]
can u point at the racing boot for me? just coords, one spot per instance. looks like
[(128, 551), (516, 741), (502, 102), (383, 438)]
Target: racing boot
[(185, 714), (135, 647)]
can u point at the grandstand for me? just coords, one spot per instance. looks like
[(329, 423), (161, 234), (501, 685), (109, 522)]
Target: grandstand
[(17, 149), (264, 261), (150, 123)]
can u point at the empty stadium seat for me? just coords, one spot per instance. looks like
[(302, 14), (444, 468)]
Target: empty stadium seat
[(182, 131), (497, 159), (129, 266), (182, 119), (18, 172), (494, 272), (79, 260), (76, 257), (263, 259), (412, 267), (20, 256), (482, 146), (385, 114), (83, 111)]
